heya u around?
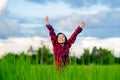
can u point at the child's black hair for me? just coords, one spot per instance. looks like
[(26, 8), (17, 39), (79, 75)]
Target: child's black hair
[(64, 36)]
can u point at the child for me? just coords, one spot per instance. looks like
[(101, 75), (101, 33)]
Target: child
[(61, 45)]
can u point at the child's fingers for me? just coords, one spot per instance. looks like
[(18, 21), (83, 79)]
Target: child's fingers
[(46, 18), (83, 23)]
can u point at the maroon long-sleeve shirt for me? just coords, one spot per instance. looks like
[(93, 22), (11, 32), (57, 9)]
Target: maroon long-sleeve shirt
[(61, 52)]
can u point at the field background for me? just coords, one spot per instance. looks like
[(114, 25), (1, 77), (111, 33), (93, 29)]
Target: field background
[(40, 67), (25, 71)]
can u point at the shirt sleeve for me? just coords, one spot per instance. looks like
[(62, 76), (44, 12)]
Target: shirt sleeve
[(72, 39), (52, 34)]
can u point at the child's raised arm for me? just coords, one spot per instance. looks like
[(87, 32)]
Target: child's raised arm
[(72, 39), (52, 34)]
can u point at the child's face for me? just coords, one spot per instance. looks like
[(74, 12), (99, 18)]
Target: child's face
[(61, 39)]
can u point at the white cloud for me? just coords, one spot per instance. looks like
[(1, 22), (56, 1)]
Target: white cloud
[(69, 22), (13, 24), (9, 28), (52, 9), (18, 45), (3, 4), (112, 44), (98, 25), (80, 3)]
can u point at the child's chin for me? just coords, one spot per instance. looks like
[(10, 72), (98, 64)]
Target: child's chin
[(61, 42)]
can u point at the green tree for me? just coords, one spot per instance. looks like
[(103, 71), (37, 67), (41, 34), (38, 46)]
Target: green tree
[(103, 56), (85, 58), (45, 56)]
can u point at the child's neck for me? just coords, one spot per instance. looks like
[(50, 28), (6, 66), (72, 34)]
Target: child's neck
[(62, 44)]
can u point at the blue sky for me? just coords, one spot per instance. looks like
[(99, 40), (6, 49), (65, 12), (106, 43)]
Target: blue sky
[(25, 18)]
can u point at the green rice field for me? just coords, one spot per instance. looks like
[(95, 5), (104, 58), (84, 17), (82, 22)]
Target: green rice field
[(23, 70)]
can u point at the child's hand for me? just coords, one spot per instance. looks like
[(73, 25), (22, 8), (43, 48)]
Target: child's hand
[(82, 24), (46, 19)]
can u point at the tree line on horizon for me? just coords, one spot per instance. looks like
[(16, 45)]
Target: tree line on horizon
[(44, 56)]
